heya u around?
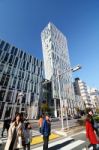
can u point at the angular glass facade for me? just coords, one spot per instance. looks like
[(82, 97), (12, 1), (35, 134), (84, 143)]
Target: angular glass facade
[(19, 73), (56, 61)]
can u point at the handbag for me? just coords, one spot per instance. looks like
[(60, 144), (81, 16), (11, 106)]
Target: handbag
[(19, 145)]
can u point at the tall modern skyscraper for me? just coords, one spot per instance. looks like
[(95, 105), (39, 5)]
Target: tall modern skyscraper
[(56, 61), (20, 77)]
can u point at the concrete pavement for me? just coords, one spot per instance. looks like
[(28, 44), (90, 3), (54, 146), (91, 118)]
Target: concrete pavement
[(56, 135), (76, 141)]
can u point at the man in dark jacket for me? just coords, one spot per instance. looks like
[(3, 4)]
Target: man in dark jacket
[(46, 131), (6, 125)]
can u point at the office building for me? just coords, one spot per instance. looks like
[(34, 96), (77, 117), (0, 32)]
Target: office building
[(94, 97), (56, 61), (79, 103), (20, 76), (80, 89)]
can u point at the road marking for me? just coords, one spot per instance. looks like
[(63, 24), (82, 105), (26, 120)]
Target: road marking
[(73, 145), (56, 143)]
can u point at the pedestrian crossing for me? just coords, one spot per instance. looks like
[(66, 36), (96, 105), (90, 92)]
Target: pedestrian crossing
[(66, 144)]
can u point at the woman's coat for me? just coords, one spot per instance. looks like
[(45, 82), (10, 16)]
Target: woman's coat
[(90, 134), (10, 135)]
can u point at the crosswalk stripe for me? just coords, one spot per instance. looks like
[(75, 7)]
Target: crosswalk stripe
[(70, 146), (73, 145), (56, 143), (60, 141)]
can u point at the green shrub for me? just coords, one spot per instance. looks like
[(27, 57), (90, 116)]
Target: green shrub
[(96, 118)]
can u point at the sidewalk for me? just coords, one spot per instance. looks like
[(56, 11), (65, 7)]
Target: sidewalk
[(39, 139)]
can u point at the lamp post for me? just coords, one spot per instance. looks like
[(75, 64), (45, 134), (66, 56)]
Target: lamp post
[(61, 101)]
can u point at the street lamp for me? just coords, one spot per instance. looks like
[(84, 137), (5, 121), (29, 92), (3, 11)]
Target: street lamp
[(61, 101)]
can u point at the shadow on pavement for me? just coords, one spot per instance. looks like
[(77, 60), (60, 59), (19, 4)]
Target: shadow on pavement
[(56, 147)]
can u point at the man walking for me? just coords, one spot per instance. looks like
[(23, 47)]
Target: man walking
[(46, 130), (6, 125)]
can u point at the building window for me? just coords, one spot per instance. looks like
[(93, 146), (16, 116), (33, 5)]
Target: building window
[(21, 54), (6, 81), (9, 95), (2, 44), (2, 94), (34, 61), (22, 74), (12, 50), (0, 52), (27, 67), (9, 70), (11, 59), (1, 67), (14, 83), (7, 46), (6, 58), (24, 65), (34, 68), (16, 61), (16, 50), (24, 57), (26, 85), (18, 85), (30, 58), (3, 79), (24, 98), (8, 111), (32, 98)]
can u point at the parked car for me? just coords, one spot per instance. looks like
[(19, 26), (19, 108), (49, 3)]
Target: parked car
[(77, 116), (69, 117), (53, 119)]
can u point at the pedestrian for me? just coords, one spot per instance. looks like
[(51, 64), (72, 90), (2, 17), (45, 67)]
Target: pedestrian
[(46, 131), (27, 135), (40, 122), (14, 141), (90, 131), (6, 125)]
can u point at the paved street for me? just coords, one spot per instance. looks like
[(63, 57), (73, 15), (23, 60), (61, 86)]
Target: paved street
[(73, 142), (57, 124)]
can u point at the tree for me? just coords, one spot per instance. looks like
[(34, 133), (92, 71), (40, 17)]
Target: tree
[(44, 106)]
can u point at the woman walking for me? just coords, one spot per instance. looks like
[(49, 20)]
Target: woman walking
[(90, 133), (14, 141), (27, 136), (40, 122)]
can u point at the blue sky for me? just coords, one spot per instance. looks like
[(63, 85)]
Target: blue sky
[(21, 22)]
